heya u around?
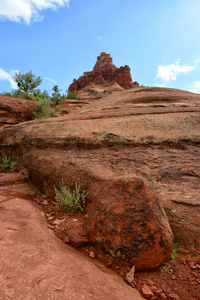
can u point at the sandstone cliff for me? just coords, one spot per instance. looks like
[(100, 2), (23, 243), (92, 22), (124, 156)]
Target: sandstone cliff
[(104, 71)]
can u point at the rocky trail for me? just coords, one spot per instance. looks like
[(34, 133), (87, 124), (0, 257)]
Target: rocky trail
[(36, 264)]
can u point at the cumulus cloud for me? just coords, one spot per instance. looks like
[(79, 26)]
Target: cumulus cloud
[(170, 72), (27, 10), (195, 87), (8, 76), (50, 79)]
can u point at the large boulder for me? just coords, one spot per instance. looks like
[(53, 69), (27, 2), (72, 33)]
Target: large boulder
[(125, 217), (128, 221)]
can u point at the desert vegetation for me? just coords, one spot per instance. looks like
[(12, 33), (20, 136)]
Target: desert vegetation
[(28, 89)]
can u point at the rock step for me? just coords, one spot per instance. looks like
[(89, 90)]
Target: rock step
[(37, 265)]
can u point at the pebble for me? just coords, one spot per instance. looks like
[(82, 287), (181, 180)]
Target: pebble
[(174, 297), (50, 218), (109, 264), (92, 254), (158, 291), (56, 222), (100, 255), (130, 275), (66, 239), (192, 266), (163, 296), (146, 291), (45, 202)]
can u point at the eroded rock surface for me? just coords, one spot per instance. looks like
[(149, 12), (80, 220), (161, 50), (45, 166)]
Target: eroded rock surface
[(15, 110), (36, 265), (104, 71), (125, 218), (128, 221), (150, 133)]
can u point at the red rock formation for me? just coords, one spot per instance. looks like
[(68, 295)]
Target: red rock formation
[(123, 77), (128, 221), (104, 70), (15, 110)]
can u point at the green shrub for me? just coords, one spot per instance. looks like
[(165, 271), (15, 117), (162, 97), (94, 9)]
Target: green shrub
[(56, 96), (71, 96), (66, 199), (22, 94), (7, 94), (41, 96), (109, 92), (104, 91), (7, 164), (43, 111), (175, 250)]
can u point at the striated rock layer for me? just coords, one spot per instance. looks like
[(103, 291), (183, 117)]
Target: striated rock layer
[(135, 151), (125, 217), (103, 71), (15, 110)]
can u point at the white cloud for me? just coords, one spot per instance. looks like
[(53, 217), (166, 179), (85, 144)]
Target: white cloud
[(27, 10), (7, 76), (50, 79), (170, 72), (194, 91), (162, 84), (195, 87)]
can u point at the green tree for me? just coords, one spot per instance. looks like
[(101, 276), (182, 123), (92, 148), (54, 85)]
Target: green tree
[(56, 96), (27, 82)]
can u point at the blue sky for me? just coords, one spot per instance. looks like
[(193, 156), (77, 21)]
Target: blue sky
[(60, 39)]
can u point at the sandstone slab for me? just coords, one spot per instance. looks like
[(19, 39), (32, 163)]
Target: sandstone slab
[(15, 110), (125, 218), (36, 265)]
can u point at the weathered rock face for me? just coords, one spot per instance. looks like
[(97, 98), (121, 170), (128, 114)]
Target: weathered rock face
[(104, 70), (37, 265), (128, 221), (125, 218), (15, 110), (151, 133), (123, 77)]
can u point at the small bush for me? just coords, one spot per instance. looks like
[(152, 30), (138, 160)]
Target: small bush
[(109, 92), (7, 94), (71, 96), (7, 164), (175, 250), (22, 94), (104, 92), (43, 111), (71, 201)]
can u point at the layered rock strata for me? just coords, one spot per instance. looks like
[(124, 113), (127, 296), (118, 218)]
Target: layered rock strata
[(104, 71)]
